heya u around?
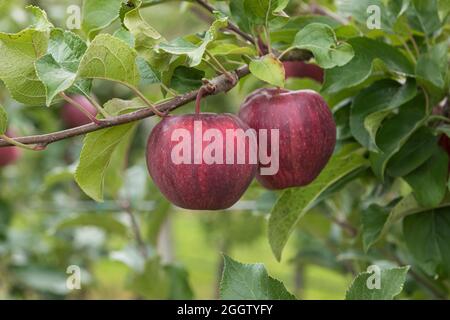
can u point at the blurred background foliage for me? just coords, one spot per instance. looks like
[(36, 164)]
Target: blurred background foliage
[(135, 244)]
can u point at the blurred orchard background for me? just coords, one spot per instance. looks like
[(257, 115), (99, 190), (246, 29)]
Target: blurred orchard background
[(47, 224)]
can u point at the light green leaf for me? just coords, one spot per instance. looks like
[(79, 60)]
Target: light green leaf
[(146, 38), (98, 14), (427, 236), (98, 148), (225, 49), (361, 67), (395, 132), (294, 203), (18, 52), (106, 222), (195, 52), (108, 57), (268, 69), (3, 120), (378, 100), (58, 68), (321, 40), (391, 285), (250, 282)]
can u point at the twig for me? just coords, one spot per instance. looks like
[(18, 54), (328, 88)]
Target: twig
[(125, 205)]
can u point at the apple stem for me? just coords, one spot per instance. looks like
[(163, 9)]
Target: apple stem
[(21, 145), (79, 107), (198, 100)]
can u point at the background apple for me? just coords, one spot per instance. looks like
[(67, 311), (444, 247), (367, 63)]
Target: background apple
[(73, 117), (198, 186), (300, 69), (9, 155), (307, 133)]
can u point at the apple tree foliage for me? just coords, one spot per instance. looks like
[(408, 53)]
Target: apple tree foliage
[(383, 199)]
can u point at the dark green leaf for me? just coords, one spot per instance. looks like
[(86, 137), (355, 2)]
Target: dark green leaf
[(418, 149), (380, 99), (429, 181), (360, 68), (395, 132), (427, 236)]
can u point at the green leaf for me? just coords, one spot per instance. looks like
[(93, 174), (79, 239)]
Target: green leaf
[(427, 236), (432, 66), (3, 120), (108, 57), (403, 208), (153, 282), (321, 40), (240, 16), (98, 148), (395, 132), (58, 68), (18, 52), (391, 285), (147, 74), (427, 13), (361, 67), (225, 49), (357, 10), (146, 38), (250, 282), (186, 79), (294, 203), (180, 289), (194, 52), (380, 99), (418, 149), (373, 221), (268, 69), (105, 222), (261, 10), (98, 14), (429, 181)]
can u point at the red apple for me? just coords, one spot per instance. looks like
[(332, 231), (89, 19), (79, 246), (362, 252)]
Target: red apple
[(300, 69), (307, 133), (196, 183), (73, 117), (9, 155)]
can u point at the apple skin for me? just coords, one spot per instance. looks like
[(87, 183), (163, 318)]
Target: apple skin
[(9, 155), (198, 186), (307, 133), (300, 69), (73, 117)]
